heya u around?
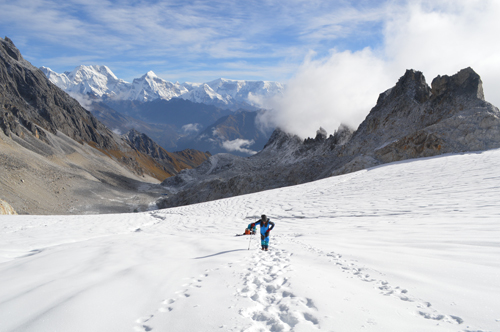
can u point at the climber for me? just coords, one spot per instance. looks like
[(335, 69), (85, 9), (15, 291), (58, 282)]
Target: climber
[(266, 226)]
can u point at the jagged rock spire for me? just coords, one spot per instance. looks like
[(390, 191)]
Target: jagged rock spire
[(466, 82)]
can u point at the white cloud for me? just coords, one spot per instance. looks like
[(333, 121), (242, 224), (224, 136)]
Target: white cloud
[(239, 145), (442, 37), (84, 101), (216, 133), (328, 92), (435, 37), (191, 128)]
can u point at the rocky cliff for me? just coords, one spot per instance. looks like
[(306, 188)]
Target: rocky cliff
[(410, 120), (31, 103), (413, 120)]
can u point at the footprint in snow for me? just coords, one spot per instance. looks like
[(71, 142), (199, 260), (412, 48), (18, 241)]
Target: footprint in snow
[(423, 307), (275, 308), (142, 326), (168, 305)]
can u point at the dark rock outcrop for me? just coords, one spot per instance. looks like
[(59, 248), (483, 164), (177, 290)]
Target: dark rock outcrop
[(413, 120)]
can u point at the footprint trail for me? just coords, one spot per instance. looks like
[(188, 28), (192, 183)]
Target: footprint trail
[(275, 306)]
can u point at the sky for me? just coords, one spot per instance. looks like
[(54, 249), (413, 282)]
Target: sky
[(188, 40), (334, 56)]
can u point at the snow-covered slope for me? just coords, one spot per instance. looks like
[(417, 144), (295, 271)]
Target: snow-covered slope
[(60, 80), (100, 81), (408, 246)]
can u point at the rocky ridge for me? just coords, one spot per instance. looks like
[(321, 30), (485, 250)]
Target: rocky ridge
[(410, 120), (31, 104)]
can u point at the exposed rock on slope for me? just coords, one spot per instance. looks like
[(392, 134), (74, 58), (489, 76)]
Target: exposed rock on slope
[(411, 120), (285, 160), (29, 101), (5, 208)]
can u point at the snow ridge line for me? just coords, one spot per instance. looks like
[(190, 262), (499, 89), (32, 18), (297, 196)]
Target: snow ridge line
[(423, 308), (276, 307)]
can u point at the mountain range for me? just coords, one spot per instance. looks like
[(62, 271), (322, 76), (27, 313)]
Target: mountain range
[(177, 116), (100, 81)]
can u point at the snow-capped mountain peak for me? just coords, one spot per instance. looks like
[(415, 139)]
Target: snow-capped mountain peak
[(101, 81), (95, 80), (150, 87), (61, 80), (150, 74)]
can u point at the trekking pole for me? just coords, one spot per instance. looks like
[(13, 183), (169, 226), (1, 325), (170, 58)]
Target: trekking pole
[(250, 240)]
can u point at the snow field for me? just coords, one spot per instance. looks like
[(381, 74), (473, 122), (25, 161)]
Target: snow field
[(410, 246)]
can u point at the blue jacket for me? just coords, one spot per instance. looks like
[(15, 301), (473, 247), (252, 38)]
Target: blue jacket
[(264, 228)]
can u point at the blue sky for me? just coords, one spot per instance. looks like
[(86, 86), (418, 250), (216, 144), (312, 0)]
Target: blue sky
[(336, 56), (189, 40)]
